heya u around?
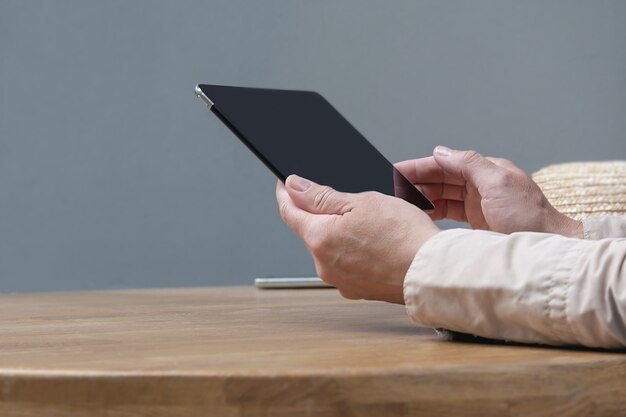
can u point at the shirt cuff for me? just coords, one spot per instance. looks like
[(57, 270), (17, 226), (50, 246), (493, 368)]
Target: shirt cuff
[(596, 228), (512, 287)]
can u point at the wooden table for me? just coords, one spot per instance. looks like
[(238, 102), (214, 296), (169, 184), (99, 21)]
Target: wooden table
[(245, 352)]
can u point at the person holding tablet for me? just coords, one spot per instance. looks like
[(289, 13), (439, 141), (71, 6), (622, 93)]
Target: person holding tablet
[(525, 273)]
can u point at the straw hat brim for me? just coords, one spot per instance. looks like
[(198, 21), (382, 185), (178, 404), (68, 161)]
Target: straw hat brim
[(585, 189)]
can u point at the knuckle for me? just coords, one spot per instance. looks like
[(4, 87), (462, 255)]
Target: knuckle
[(321, 198), (371, 195), (508, 165), (504, 178), (507, 162), (471, 157), (507, 175), (371, 199)]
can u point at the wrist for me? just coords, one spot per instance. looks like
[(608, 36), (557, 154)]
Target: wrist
[(421, 239), (426, 236), (573, 228), (563, 225)]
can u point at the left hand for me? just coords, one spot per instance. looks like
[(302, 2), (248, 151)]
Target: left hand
[(363, 244), (488, 193)]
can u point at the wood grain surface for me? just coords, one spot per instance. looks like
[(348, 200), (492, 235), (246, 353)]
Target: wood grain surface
[(244, 352)]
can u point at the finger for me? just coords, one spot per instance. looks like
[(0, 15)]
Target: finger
[(449, 210), (296, 218), (470, 165), (505, 163), (443, 191), (427, 170), (317, 199)]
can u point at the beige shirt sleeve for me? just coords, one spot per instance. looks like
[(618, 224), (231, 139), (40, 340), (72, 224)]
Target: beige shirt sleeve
[(525, 287), (596, 228)]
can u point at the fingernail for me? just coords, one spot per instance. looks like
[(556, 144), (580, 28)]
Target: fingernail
[(443, 151), (298, 183)]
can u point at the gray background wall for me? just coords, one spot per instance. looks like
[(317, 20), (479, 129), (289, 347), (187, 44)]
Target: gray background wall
[(113, 175)]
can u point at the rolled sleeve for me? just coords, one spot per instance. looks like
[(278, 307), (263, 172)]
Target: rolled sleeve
[(525, 287), (595, 228)]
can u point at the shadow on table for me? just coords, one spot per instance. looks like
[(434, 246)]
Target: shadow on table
[(384, 327), (352, 324), (458, 337)]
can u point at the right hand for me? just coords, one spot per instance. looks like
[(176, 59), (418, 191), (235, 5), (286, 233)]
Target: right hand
[(361, 243), (488, 193)]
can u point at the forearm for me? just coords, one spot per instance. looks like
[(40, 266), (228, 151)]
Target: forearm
[(526, 287)]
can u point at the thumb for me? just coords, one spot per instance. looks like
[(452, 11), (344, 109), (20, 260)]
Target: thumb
[(315, 198), (468, 165)]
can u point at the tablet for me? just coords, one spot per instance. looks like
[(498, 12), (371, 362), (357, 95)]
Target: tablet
[(290, 282), (300, 132)]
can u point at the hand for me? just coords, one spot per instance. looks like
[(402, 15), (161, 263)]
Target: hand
[(363, 244), (488, 193)]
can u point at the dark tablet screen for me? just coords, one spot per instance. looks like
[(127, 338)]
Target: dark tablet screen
[(299, 132)]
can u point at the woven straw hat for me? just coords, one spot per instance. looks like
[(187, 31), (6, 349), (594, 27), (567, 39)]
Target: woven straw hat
[(585, 189)]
